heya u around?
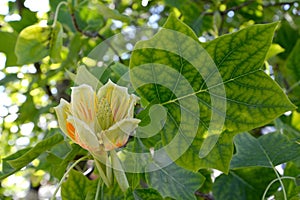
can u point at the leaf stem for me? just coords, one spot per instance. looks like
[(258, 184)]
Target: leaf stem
[(98, 189), (293, 86), (277, 179), (57, 10), (65, 175), (102, 174)]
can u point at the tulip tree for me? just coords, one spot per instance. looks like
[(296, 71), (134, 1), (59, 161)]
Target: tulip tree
[(151, 100)]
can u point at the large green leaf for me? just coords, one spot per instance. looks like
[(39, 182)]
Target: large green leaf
[(172, 69), (173, 181), (77, 186), (267, 151), (34, 152), (247, 183)]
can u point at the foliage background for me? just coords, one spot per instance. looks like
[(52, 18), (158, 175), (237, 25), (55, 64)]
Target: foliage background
[(28, 91)]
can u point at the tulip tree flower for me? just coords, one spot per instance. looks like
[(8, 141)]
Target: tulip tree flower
[(99, 122)]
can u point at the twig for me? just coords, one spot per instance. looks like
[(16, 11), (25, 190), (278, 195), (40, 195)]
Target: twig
[(93, 35), (204, 196)]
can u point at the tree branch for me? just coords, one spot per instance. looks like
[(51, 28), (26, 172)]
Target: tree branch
[(204, 196), (93, 35)]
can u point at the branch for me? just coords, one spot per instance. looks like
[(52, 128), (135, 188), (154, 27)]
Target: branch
[(204, 196), (93, 35)]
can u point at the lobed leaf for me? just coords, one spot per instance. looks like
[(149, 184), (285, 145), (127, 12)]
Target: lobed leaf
[(173, 71), (267, 151)]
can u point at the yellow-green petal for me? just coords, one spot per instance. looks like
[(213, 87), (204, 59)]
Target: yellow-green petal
[(117, 135), (62, 112), (83, 104), (84, 136)]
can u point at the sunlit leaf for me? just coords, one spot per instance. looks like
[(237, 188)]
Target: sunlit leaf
[(274, 50), (168, 59), (33, 44)]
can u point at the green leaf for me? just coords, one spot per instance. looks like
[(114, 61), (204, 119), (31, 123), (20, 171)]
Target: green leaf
[(286, 37), (172, 70), (122, 73), (141, 194), (56, 42), (250, 93), (7, 169), (111, 14), (34, 152), (88, 16), (219, 157), (173, 181), (292, 74), (274, 50), (33, 44), (292, 186), (28, 109), (267, 151), (243, 184), (77, 186), (194, 14), (75, 46), (76, 150), (8, 42)]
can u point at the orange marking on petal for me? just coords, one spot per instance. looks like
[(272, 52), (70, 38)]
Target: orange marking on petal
[(71, 130), (119, 144)]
